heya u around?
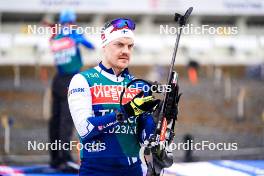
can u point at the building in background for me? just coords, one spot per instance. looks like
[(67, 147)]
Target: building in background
[(238, 25)]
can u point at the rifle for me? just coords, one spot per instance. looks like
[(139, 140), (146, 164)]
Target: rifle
[(167, 112), (157, 159)]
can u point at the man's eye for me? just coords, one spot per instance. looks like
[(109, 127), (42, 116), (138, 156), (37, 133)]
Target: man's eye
[(119, 44)]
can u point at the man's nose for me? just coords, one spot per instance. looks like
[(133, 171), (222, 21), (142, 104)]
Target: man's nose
[(125, 50)]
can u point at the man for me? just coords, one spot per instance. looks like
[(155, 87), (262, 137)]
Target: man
[(68, 61), (110, 134)]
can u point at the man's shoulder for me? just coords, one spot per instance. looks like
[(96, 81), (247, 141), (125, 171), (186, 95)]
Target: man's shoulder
[(88, 71), (129, 76)]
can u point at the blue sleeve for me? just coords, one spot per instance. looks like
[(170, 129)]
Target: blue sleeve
[(146, 126), (100, 124), (80, 39)]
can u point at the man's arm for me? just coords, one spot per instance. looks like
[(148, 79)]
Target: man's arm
[(82, 40), (80, 104)]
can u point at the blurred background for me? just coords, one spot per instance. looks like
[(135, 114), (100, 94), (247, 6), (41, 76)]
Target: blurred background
[(221, 74)]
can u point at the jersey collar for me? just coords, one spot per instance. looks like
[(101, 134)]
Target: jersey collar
[(110, 74), (111, 70)]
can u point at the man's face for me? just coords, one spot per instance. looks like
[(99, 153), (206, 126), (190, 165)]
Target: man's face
[(117, 53)]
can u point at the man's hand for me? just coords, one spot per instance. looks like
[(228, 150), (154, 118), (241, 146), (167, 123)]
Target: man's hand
[(140, 105)]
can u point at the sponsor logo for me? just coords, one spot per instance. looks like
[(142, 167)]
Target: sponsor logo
[(75, 90), (111, 94), (100, 128), (61, 44), (124, 31)]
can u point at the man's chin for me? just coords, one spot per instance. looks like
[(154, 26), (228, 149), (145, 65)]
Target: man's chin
[(123, 65)]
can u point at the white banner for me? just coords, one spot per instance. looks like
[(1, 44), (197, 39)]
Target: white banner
[(201, 7)]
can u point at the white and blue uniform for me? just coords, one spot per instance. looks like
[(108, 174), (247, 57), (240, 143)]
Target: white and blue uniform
[(112, 148)]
